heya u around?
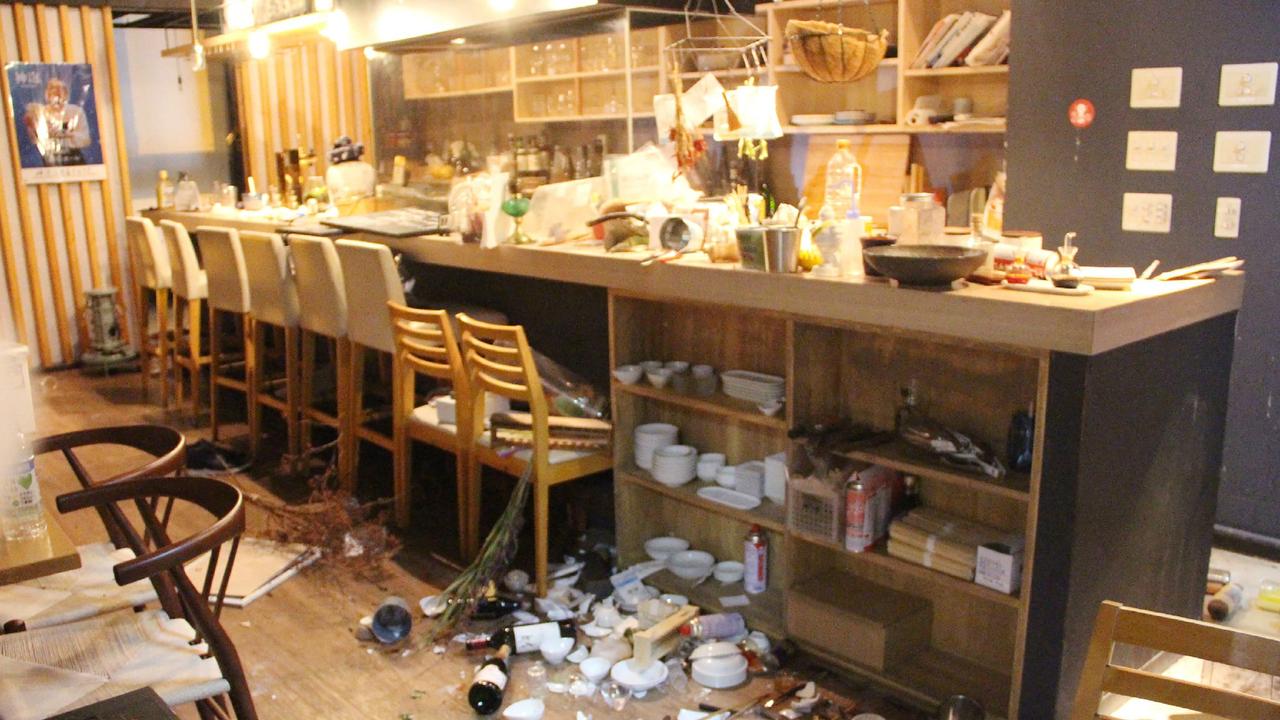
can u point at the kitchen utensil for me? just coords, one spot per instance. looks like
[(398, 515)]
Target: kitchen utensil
[(529, 709), (782, 249), (960, 707), (753, 387), (660, 548), (1213, 266), (1044, 286), (618, 228), (651, 436), (726, 476), (628, 374), (674, 465), (832, 53), (691, 564), (770, 407), (677, 235), (926, 265)]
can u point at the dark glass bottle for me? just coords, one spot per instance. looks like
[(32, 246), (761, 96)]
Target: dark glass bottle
[(1022, 431), (489, 683), (524, 638), (492, 608), (910, 494)]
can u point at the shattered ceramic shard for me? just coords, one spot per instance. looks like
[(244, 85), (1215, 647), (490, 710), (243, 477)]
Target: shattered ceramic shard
[(517, 581), (530, 709), (554, 650), (808, 691), (579, 654), (433, 605), (595, 668)]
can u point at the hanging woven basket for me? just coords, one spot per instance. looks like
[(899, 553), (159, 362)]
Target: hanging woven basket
[(832, 53)]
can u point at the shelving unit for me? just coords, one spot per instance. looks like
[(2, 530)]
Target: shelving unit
[(977, 635)]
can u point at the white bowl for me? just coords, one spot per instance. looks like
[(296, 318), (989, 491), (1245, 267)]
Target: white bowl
[(556, 649), (729, 571), (650, 365), (661, 548), (595, 668), (770, 408), (677, 366), (690, 564), (720, 672), (658, 378), (707, 471), (726, 476), (628, 374), (639, 682), (530, 709), (703, 371)]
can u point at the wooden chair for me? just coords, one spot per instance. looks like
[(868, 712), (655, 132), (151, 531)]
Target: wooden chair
[(228, 298), (1119, 624), (181, 650), (91, 589), (426, 345), (273, 303), (190, 291), (152, 276), (322, 307), (498, 360)]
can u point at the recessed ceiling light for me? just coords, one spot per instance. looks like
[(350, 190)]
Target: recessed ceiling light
[(458, 41), (129, 18), (502, 5)]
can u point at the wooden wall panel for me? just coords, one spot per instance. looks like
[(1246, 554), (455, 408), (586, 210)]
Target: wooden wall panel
[(306, 91), (50, 259)]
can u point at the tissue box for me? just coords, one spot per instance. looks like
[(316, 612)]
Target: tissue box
[(999, 566)]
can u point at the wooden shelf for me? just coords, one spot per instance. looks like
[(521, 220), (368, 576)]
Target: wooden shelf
[(899, 456), (958, 71), (467, 93), (882, 129), (878, 555), (820, 4), (764, 613), (731, 72), (717, 404), (584, 74), (794, 68), (767, 515), (583, 118)]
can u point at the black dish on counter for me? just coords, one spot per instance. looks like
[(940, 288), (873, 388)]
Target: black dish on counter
[(927, 265), (870, 242)]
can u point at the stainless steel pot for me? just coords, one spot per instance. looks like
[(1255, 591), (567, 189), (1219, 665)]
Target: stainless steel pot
[(782, 249)]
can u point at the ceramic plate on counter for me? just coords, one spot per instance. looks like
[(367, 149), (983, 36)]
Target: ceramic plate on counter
[(732, 498), (813, 119)]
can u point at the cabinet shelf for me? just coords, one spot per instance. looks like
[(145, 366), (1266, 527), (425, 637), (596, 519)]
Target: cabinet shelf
[(885, 129), (767, 515), (822, 4), (584, 74), (958, 71), (467, 93), (717, 404), (886, 63), (765, 612), (901, 457), (879, 556), (583, 118)]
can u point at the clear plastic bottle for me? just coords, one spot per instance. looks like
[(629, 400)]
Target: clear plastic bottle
[(21, 513), (715, 627), (844, 181)]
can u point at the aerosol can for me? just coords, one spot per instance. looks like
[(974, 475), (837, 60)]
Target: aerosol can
[(755, 559)]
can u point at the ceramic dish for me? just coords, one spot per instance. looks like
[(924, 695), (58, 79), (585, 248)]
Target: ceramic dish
[(628, 374), (661, 548), (720, 672), (691, 564), (637, 681), (731, 498), (813, 119), (729, 571), (927, 265)]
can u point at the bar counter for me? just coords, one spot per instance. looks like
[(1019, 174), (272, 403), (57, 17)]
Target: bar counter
[(1086, 325)]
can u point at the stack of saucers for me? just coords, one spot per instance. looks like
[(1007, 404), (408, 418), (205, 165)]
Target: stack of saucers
[(651, 436), (673, 465), (753, 387)]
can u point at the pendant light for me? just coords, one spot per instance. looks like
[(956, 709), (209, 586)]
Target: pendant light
[(197, 47)]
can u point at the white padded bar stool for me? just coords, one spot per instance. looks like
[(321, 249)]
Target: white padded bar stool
[(273, 303), (151, 274), (190, 291), (322, 308), (228, 300)]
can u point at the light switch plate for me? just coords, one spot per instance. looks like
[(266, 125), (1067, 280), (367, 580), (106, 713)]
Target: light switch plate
[(1152, 150), (1155, 87), (1226, 220), (1248, 84), (1147, 212), (1237, 151)]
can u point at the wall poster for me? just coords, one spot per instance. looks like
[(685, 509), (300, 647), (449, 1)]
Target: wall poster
[(56, 122)]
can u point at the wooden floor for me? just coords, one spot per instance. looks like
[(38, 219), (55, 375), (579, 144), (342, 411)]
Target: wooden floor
[(297, 642)]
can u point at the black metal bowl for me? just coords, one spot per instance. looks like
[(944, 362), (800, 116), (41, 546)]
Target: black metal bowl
[(924, 264)]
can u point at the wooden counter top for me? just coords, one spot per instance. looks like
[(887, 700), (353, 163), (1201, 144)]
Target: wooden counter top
[(1085, 325)]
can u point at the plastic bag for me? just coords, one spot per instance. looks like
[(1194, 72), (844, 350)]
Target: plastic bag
[(567, 392)]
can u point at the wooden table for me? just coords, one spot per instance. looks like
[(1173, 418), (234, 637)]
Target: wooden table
[(27, 559)]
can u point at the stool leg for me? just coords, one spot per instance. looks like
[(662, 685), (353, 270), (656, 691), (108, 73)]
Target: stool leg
[(175, 354), (194, 314), (355, 409), (292, 387), (541, 509), (464, 496), (144, 338), (306, 394), (342, 356), (215, 358), (402, 455), (162, 319), (252, 371)]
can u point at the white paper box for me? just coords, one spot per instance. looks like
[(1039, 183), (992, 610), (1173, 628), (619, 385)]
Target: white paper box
[(999, 566)]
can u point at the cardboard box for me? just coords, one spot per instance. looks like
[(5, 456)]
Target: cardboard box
[(999, 566), (857, 619)]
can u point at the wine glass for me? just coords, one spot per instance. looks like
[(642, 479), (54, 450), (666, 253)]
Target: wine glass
[(516, 206)]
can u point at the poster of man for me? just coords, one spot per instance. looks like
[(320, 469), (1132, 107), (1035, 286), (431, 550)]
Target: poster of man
[(56, 122)]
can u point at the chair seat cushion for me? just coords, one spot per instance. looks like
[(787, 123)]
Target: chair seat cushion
[(428, 415), (557, 455), (85, 592), (56, 669)]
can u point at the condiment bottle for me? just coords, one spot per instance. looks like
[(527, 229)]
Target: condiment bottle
[(489, 683), (1066, 274), (1019, 273)]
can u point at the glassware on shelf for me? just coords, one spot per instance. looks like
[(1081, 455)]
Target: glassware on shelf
[(537, 59)]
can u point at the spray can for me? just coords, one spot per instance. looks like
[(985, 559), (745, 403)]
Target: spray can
[(755, 561), (859, 520)]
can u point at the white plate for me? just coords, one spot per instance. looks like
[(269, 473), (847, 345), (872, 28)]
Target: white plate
[(813, 119), (1044, 286), (732, 498)]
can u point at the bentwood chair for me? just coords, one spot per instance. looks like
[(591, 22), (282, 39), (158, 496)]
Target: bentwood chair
[(180, 650), (228, 301), (1117, 623), (273, 303), (498, 360), (91, 590), (190, 291), (151, 276), (426, 345), (322, 308)]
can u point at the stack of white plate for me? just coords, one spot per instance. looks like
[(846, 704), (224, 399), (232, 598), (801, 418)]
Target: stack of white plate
[(650, 437), (753, 387), (674, 465)]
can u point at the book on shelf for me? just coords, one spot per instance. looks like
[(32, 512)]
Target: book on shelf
[(962, 20), (978, 24), (940, 29), (993, 48)]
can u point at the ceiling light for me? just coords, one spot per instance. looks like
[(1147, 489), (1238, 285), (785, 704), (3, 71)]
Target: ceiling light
[(259, 45), (458, 41), (322, 5), (502, 5)]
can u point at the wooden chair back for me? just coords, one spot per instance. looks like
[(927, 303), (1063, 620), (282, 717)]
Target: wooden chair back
[(164, 563), (1117, 623), (498, 359), (425, 344), (167, 447)]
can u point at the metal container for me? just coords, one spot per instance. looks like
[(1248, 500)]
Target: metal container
[(960, 707), (782, 249), (751, 247)]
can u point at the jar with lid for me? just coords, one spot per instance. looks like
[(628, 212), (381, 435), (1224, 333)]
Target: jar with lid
[(923, 220)]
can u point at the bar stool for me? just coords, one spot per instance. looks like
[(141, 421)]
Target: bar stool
[(426, 345), (190, 289), (228, 298), (273, 302), (151, 273), (498, 360), (322, 313)]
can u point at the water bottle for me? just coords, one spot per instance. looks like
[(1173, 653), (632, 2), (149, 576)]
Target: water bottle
[(844, 182), (21, 513)]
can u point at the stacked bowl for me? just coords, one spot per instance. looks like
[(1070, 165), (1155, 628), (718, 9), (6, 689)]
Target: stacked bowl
[(674, 465), (754, 387), (651, 436)]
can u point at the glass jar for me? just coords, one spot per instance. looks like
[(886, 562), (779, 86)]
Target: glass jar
[(923, 220)]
